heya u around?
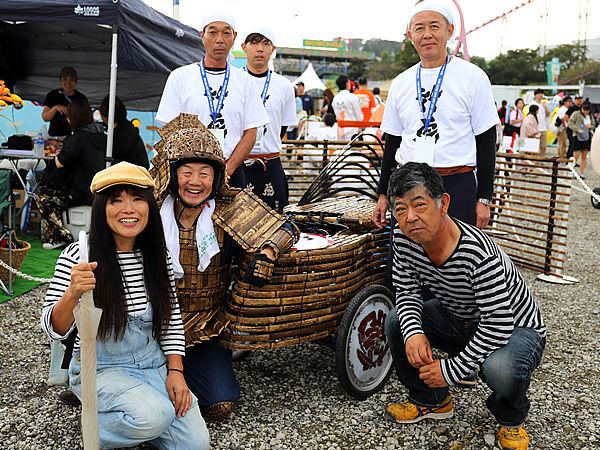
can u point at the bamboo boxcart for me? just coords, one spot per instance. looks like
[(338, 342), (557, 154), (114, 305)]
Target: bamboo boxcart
[(333, 291)]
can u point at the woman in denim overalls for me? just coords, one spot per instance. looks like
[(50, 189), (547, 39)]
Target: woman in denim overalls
[(142, 394)]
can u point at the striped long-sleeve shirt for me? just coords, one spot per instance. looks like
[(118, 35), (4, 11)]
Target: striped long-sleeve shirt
[(477, 283), (132, 268)]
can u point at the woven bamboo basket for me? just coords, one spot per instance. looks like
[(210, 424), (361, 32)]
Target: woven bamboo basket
[(18, 256), (307, 295)]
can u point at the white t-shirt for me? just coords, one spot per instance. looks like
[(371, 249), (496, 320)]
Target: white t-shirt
[(242, 106), (316, 154), (541, 115), (323, 134), (350, 104), (562, 111), (465, 109), (281, 110)]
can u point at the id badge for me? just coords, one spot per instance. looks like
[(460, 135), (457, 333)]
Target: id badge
[(260, 134), (219, 133), (424, 150)]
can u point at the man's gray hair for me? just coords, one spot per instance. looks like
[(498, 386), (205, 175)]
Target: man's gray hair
[(414, 175)]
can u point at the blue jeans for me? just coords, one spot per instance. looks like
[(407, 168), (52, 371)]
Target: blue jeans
[(133, 402), (507, 371), (209, 373)]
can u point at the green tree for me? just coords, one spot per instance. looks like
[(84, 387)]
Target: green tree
[(406, 57), (569, 55), (588, 72), (381, 68), (517, 67), (379, 46), (480, 62), (355, 44), (357, 68)]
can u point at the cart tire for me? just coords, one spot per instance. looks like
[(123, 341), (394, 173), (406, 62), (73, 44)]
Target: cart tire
[(596, 203), (239, 355), (363, 360)]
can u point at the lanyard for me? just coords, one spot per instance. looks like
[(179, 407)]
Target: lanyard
[(214, 113), (263, 96), (66, 96), (434, 94)]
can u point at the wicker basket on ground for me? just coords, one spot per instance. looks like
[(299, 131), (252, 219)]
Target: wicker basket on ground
[(19, 252)]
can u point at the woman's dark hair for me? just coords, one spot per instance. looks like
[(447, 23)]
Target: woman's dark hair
[(109, 294), (519, 100), (79, 114), (120, 110), (533, 109), (328, 95), (587, 106)]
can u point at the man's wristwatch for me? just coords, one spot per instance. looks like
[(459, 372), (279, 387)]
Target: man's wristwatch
[(485, 201)]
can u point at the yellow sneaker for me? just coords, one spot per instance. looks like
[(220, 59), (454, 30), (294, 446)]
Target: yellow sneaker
[(408, 412), (217, 411), (513, 438)]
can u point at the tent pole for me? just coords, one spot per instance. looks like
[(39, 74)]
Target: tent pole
[(111, 98)]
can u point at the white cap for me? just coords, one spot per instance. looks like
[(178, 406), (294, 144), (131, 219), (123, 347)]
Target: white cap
[(265, 31), (438, 6), (218, 16)]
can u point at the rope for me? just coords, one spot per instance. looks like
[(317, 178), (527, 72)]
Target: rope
[(458, 445), (571, 167), (23, 275)]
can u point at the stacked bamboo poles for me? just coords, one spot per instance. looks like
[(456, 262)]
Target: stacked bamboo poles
[(304, 162), (530, 210)]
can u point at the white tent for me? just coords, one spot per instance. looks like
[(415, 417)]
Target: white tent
[(310, 79)]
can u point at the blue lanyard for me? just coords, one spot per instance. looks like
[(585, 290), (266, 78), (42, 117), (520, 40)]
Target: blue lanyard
[(434, 94), (66, 96), (263, 96), (214, 113)]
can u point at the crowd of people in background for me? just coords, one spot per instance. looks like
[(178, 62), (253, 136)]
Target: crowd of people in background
[(66, 179), (572, 125)]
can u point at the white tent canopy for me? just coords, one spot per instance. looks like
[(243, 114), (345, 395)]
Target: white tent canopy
[(310, 79)]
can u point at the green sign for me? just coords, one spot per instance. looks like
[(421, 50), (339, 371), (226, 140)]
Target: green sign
[(338, 45)]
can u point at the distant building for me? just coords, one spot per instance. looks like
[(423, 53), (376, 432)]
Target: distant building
[(593, 49), (329, 64)]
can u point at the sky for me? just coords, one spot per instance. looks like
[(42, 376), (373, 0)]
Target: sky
[(542, 22)]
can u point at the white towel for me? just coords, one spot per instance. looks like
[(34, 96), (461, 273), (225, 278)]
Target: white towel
[(206, 239)]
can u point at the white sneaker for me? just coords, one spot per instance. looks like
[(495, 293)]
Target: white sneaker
[(49, 246)]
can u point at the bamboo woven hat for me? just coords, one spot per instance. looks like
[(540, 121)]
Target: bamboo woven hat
[(122, 173), (185, 138)]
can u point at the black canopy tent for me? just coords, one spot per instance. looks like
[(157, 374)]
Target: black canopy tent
[(100, 39)]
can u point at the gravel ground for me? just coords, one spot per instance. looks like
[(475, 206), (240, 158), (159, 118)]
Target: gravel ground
[(291, 397)]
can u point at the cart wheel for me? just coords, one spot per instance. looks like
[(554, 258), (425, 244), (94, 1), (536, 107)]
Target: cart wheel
[(238, 355), (363, 360), (596, 203)]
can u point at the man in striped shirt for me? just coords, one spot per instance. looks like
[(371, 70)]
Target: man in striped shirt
[(482, 314)]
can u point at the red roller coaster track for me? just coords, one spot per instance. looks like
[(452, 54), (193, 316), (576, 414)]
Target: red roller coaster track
[(462, 37)]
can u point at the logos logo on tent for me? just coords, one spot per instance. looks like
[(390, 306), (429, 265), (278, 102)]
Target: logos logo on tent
[(87, 10)]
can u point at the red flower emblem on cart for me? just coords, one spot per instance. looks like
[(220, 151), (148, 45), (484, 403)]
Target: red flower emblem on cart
[(373, 344)]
